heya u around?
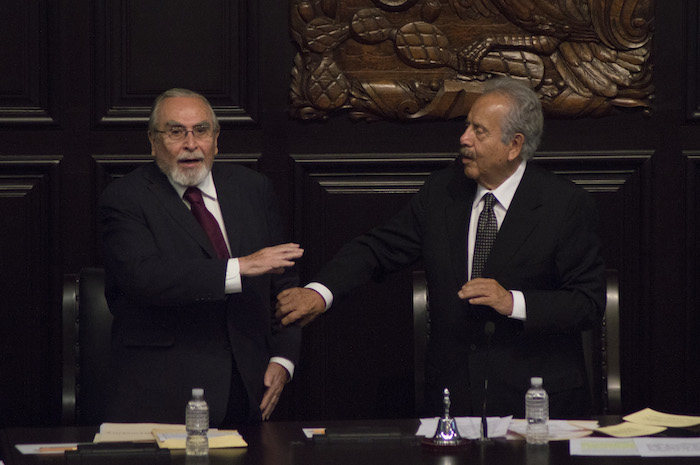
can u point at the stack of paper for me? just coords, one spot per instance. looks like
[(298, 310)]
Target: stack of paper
[(642, 423), (166, 435), (217, 439), (647, 422), (498, 427)]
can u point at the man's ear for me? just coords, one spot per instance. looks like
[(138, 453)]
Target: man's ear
[(516, 146), (152, 140)]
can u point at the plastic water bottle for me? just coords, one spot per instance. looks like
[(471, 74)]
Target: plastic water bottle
[(197, 424), (537, 412)]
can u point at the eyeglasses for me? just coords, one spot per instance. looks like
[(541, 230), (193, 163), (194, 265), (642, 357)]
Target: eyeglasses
[(178, 133)]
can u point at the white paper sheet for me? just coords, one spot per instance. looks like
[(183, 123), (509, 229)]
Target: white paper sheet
[(668, 447), (608, 447), (45, 449), (645, 447)]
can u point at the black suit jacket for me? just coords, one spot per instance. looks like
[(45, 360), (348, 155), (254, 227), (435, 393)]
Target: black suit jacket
[(174, 328), (547, 248)]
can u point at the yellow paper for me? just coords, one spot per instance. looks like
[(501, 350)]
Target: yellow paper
[(652, 417), (630, 430), (218, 439), (132, 432)]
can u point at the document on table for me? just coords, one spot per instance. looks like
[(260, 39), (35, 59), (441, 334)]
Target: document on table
[(559, 430), (45, 449), (652, 417), (608, 447), (647, 422), (630, 430), (133, 432), (644, 447), (217, 439), (166, 435), (510, 428)]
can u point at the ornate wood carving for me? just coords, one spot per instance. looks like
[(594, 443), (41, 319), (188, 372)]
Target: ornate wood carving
[(409, 59)]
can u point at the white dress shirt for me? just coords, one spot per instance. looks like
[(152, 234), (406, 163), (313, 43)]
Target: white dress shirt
[(504, 196)]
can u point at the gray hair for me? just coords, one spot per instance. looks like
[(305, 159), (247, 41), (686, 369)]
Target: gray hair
[(525, 115), (176, 92)]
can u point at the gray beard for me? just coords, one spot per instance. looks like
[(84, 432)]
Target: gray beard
[(185, 177), (188, 177)]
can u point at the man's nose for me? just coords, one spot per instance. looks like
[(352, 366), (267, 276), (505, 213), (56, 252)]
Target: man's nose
[(190, 142), (467, 137)]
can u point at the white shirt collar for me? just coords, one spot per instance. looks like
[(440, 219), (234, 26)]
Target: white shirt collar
[(206, 186), (506, 191)]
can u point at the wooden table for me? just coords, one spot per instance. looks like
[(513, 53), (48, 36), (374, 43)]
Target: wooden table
[(283, 443)]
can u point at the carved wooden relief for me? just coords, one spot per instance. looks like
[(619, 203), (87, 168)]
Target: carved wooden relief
[(409, 59)]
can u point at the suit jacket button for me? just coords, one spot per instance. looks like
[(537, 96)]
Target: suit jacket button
[(473, 347)]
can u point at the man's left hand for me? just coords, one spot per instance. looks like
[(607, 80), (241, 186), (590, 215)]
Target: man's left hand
[(276, 376), (485, 291)]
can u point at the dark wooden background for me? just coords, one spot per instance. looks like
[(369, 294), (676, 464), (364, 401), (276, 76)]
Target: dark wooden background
[(76, 85)]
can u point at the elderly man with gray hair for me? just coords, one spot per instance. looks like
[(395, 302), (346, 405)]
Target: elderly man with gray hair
[(512, 261)]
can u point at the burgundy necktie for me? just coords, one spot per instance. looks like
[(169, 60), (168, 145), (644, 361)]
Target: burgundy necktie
[(194, 196)]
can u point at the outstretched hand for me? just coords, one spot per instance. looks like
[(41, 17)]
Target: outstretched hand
[(299, 304), (270, 260)]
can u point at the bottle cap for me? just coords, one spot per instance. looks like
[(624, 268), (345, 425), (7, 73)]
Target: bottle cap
[(536, 381), (197, 392)]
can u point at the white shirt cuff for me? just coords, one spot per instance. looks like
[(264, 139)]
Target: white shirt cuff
[(324, 291), (288, 365), (519, 309), (233, 284)]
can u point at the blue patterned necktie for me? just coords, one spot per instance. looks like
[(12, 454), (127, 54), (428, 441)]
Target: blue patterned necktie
[(485, 234)]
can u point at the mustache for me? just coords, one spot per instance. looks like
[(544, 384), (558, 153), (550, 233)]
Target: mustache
[(464, 152), (190, 156)]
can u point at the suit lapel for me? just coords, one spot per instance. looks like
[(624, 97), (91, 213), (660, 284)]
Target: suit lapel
[(227, 191), (519, 222), (458, 212), (167, 196)]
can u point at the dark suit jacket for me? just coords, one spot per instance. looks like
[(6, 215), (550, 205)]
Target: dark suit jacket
[(174, 328), (546, 247)]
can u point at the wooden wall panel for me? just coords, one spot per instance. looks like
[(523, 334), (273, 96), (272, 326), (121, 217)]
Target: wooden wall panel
[(24, 60), (28, 208), (357, 360), (691, 323), (142, 51), (110, 167), (693, 60)]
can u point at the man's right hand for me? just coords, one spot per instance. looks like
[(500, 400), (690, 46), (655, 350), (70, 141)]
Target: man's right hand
[(270, 260), (299, 304)]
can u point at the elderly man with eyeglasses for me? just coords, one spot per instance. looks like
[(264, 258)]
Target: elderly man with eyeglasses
[(193, 255)]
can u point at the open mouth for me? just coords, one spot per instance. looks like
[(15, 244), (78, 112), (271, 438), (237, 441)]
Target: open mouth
[(465, 155), (190, 162)]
